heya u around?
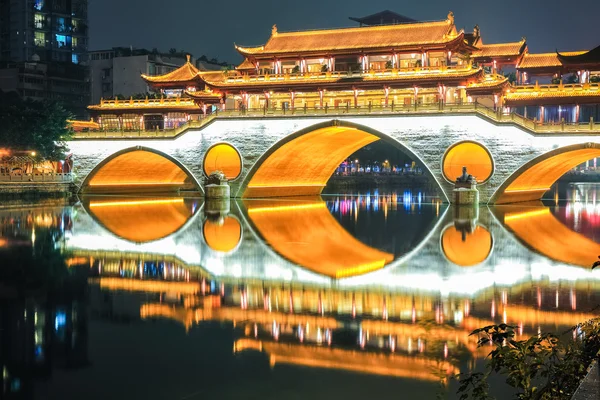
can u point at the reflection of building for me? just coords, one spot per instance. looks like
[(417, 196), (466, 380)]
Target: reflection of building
[(37, 337), (372, 332), (42, 43)]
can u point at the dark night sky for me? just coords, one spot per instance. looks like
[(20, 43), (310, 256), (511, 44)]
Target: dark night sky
[(212, 26)]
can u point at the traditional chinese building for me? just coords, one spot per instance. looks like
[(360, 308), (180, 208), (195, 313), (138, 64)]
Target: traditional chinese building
[(401, 64)]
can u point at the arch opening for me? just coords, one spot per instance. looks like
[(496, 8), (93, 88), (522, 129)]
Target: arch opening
[(302, 163), (531, 181), (139, 170), (472, 155)]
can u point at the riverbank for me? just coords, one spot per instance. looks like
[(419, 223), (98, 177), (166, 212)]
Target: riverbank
[(16, 191), (576, 177), (343, 183)]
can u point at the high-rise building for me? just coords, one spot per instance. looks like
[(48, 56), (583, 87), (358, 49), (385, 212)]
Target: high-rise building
[(43, 44)]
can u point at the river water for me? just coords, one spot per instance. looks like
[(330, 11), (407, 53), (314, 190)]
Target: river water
[(344, 296)]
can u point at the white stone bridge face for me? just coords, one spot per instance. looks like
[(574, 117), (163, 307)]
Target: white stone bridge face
[(285, 156)]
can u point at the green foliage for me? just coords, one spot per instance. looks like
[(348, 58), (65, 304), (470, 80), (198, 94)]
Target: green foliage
[(541, 367), (595, 79), (296, 69), (512, 77), (556, 81), (573, 78), (324, 68), (388, 65), (28, 125)]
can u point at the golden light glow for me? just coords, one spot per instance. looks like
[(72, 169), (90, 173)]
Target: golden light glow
[(225, 158), (357, 361), (304, 165), (526, 215), (307, 234), (361, 269), (471, 155), (222, 236), (124, 203), (533, 182), (137, 168), (135, 285), (471, 250), (141, 220), (540, 230)]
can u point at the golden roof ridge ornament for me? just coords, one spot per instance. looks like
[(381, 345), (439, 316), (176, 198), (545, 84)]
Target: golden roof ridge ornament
[(450, 18), (274, 30), (187, 56)]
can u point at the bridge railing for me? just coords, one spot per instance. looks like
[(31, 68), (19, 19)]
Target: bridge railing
[(498, 116), (50, 178)]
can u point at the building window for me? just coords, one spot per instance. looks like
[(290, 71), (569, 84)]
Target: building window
[(40, 39), (38, 21), (38, 5), (61, 41), (105, 73), (74, 43), (60, 24), (75, 59)]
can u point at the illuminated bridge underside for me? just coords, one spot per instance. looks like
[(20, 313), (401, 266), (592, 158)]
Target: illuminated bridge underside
[(141, 220), (303, 165), (308, 235), (532, 183), (541, 231), (137, 171)]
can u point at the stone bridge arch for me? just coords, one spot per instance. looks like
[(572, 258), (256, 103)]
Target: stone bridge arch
[(139, 169), (302, 162), (534, 178)]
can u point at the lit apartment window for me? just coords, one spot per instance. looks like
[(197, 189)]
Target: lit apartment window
[(74, 42), (61, 41), (40, 39), (38, 4), (38, 21), (75, 59)]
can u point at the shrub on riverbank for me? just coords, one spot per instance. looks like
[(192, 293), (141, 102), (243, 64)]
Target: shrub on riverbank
[(544, 366)]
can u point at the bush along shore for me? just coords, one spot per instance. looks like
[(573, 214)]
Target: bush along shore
[(545, 366)]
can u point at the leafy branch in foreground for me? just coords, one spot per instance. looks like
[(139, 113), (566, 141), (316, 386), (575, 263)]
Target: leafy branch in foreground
[(541, 367)]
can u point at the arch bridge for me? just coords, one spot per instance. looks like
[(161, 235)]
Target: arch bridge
[(289, 155)]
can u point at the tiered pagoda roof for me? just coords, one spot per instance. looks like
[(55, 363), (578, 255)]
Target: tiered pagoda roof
[(245, 65), (343, 80), (544, 60), (412, 36), (186, 74), (507, 51), (591, 58)]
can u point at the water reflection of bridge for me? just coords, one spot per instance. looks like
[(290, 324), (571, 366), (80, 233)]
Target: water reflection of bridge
[(300, 242), (401, 335)]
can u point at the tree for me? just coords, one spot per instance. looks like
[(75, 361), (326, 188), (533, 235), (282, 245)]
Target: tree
[(539, 368), (172, 50), (512, 77), (28, 125)]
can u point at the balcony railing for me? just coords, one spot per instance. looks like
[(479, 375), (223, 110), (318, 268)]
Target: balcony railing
[(316, 76), (497, 116), (555, 88)]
